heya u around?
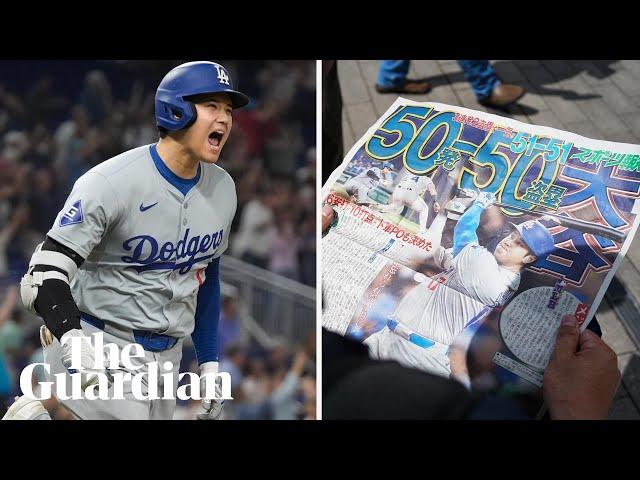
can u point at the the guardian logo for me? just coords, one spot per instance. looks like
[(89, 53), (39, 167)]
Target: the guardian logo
[(150, 381)]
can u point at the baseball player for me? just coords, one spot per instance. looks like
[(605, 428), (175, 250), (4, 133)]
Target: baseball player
[(135, 251), (433, 313), (360, 185), (409, 192)]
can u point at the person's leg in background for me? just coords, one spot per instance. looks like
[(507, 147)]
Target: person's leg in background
[(481, 75), (486, 85), (392, 78), (392, 73), (332, 148)]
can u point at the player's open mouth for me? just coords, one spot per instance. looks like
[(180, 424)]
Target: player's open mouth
[(215, 138)]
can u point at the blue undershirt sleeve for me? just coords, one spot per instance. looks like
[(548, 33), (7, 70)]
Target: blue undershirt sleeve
[(464, 232), (205, 333)]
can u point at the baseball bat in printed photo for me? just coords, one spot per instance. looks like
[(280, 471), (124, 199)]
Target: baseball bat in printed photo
[(573, 223)]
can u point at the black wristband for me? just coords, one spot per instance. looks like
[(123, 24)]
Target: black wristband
[(57, 308)]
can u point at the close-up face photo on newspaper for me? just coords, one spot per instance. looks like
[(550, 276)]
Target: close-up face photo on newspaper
[(456, 242)]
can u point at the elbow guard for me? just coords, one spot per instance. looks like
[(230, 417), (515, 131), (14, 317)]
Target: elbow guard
[(45, 290), (57, 266)]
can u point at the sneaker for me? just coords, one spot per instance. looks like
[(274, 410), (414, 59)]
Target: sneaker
[(503, 95)]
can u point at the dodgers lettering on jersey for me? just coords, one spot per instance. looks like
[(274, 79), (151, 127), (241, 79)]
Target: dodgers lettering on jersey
[(145, 244), (445, 304), (147, 253)]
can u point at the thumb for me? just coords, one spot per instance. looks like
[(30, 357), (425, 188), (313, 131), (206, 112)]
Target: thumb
[(567, 338), (327, 217), (590, 341)]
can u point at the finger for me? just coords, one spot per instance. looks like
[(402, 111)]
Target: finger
[(592, 346), (327, 216), (591, 341), (567, 339)]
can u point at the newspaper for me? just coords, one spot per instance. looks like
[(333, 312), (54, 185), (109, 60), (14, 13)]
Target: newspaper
[(461, 239)]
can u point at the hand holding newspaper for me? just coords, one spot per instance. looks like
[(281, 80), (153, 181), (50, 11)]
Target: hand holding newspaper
[(462, 238)]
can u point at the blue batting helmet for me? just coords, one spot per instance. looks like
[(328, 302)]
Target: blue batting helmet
[(173, 110), (537, 237), (388, 165)]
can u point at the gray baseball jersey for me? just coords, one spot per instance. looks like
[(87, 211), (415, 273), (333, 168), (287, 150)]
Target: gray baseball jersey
[(444, 305), (364, 179), (146, 245), (415, 183)]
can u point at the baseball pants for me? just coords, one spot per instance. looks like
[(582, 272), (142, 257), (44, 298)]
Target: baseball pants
[(410, 198), (129, 408), (386, 345)]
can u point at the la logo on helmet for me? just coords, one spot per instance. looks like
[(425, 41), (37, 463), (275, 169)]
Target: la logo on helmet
[(222, 75)]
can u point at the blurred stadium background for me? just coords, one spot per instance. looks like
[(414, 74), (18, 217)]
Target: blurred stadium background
[(60, 118)]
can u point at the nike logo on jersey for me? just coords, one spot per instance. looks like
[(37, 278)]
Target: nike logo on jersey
[(144, 209)]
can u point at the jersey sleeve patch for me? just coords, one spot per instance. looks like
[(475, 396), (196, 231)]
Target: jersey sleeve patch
[(72, 215)]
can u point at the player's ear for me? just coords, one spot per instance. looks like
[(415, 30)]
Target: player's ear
[(530, 258)]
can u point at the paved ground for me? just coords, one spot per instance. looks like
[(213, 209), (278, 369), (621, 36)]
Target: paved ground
[(597, 99)]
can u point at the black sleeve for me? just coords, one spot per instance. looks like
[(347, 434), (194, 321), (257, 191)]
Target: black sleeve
[(55, 303), (55, 246)]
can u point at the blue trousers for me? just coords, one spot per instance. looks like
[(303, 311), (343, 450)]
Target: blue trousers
[(479, 73)]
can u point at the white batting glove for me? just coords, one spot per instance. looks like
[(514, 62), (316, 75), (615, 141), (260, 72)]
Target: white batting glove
[(210, 409), (485, 199), (89, 375), (549, 218), (467, 193)]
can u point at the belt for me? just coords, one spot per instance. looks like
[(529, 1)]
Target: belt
[(409, 335), (150, 341)]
